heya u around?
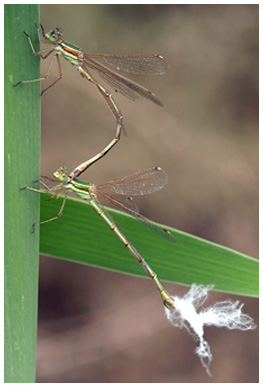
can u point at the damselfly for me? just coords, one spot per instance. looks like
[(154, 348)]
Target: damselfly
[(87, 64), (118, 194)]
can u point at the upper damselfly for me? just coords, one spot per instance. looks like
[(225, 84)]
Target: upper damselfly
[(98, 64)]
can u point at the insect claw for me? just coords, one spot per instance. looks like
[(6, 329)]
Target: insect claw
[(48, 200), (18, 83)]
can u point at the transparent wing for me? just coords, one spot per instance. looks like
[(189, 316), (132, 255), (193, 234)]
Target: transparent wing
[(143, 182), (118, 201), (138, 64), (121, 84), (120, 206)]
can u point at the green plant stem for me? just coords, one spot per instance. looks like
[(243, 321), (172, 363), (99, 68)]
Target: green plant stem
[(22, 165)]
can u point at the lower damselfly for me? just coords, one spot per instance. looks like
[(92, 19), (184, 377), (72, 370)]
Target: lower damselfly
[(118, 194), (98, 64)]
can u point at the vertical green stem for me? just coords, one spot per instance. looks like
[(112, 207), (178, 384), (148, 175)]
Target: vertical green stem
[(22, 165)]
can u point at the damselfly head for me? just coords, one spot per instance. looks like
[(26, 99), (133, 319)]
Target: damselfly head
[(54, 35), (62, 174)]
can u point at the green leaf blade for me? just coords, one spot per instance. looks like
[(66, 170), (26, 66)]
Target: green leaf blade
[(81, 236)]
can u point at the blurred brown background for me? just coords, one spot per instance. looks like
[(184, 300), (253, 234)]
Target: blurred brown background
[(100, 326)]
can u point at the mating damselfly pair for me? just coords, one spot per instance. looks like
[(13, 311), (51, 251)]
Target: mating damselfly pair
[(117, 193)]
